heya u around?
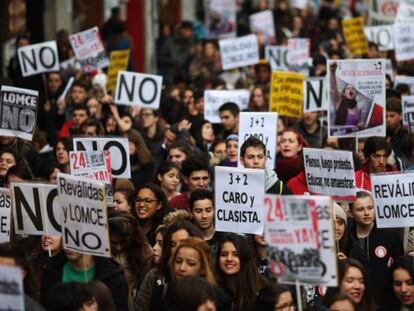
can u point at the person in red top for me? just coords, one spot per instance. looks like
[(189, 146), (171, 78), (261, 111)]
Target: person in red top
[(376, 151), (196, 176), (73, 127)]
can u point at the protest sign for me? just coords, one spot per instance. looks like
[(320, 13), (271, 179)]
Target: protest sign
[(276, 55), (5, 215), (393, 196), (315, 95), (35, 209), (213, 99), (18, 112), (356, 97), (399, 79), (118, 61), (405, 13), (286, 95), (138, 89), (84, 215), (291, 231), (330, 173), (353, 29), (262, 125), (262, 25), (298, 4), (118, 148), (11, 289), (281, 212), (382, 11), (239, 52), (298, 55), (381, 35), (239, 200), (220, 19), (89, 49), (404, 41), (95, 165), (408, 112), (38, 58)]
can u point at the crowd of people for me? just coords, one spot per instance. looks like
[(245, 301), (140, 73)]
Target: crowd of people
[(166, 253)]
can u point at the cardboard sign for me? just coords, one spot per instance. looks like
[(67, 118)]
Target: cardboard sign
[(262, 125), (138, 89), (239, 52), (95, 165), (286, 95), (291, 231), (118, 62), (281, 214), (276, 55), (5, 215), (35, 209), (356, 97), (220, 19), (239, 200), (84, 215), (298, 55), (393, 196), (11, 289), (404, 41), (315, 97), (330, 172), (38, 58), (262, 25), (213, 99), (18, 112), (118, 148), (382, 11), (89, 49), (408, 112), (353, 29), (381, 35)]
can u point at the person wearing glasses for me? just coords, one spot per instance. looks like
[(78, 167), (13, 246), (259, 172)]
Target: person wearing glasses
[(151, 206)]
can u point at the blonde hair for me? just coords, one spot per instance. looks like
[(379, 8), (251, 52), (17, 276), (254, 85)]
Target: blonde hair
[(206, 259)]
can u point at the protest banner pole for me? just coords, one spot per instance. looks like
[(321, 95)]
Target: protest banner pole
[(298, 295)]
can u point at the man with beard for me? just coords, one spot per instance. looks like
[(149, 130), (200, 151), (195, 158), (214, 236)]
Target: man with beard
[(347, 111)]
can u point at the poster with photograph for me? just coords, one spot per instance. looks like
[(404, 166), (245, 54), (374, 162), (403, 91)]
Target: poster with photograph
[(220, 20), (356, 97)]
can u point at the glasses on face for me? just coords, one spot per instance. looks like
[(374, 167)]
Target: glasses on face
[(286, 307), (146, 115), (146, 201)]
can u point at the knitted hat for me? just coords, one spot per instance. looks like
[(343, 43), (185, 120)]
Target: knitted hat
[(339, 213)]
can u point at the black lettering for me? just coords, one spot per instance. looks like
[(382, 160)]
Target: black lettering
[(52, 54), (141, 86), (35, 216), (124, 85)]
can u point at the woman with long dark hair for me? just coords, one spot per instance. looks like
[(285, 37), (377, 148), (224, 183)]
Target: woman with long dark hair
[(167, 176), (403, 283)]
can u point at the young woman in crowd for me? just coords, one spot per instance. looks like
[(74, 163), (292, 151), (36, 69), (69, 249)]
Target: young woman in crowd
[(403, 284), (259, 247), (257, 100), (274, 297), (151, 206), (217, 152), (130, 249), (124, 199), (353, 282), (8, 158), (236, 272), (157, 247), (203, 133), (61, 150), (232, 142), (167, 176), (178, 152), (341, 302)]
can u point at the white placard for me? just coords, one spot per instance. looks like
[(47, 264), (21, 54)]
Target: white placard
[(138, 89), (84, 215), (298, 4), (381, 35), (330, 172), (291, 231), (262, 24), (239, 200), (382, 11), (95, 165), (276, 55), (213, 99), (11, 289), (408, 112), (35, 208), (404, 41), (356, 97), (220, 19), (18, 112), (38, 58), (118, 148), (393, 196), (315, 96), (239, 52), (262, 125), (5, 215), (405, 13), (89, 49)]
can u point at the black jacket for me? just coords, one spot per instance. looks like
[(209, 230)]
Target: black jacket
[(106, 270)]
